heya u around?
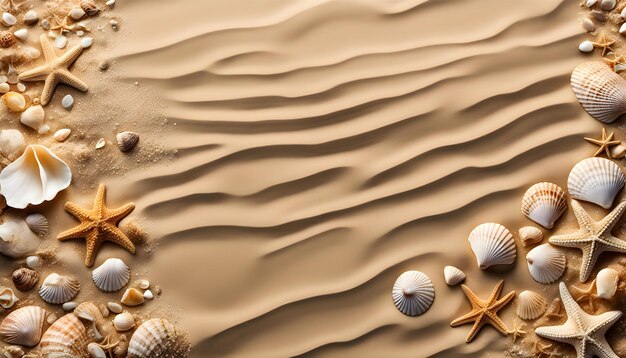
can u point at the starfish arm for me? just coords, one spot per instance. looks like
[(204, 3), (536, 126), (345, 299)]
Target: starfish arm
[(471, 296), (78, 212), (36, 74), (69, 79), (48, 88), (608, 223), (93, 244), (499, 304), (568, 240), (584, 221), (466, 318), (98, 201), (603, 349), (593, 141), (47, 49), (496, 292), (498, 324), (77, 232), (115, 215), (68, 58), (555, 333), (605, 321), (478, 325), (117, 236)]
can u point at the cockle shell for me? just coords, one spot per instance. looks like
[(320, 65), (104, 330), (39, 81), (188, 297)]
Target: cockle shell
[(606, 283), (14, 101), (112, 275), (57, 289), (67, 337), (35, 176), (7, 39), (530, 235), (132, 297), (453, 275), (531, 305), (158, 338), (544, 203), (492, 244), (7, 297), (24, 278), (127, 140), (545, 263), (16, 238), (413, 293), (37, 224), (23, 326), (12, 145), (596, 180), (33, 117), (600, 91), (124, 322)]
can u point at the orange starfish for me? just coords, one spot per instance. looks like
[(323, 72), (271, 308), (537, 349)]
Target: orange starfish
[(604, 44), (605, 143)]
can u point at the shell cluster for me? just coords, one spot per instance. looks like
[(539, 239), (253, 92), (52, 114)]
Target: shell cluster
[(596, 180), (492, 244), (544, 203), (413, 293)]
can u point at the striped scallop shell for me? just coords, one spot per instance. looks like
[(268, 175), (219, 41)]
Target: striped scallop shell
[(600, 91), (57, 289), (492, 244), (545, 263), (530, 235), (158, 338), (23, 326), (413, 293), (596, 180), (606, 283), (531, 305), (453, 275), (112, 275), (544, 203), (67, 337)]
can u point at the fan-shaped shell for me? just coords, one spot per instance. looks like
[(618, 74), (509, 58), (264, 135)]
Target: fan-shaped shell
[(531, 305), (7, 297), (37, 175), (158, 338), (23, 326), (544, 203), (112, 275), (600, 91), (24, 278), (413, 293), (530, 235), (453, 275), (545, 263), (596, 180), (67, 337), (37, 224), (606, 283), (57, 289), (492, 244)]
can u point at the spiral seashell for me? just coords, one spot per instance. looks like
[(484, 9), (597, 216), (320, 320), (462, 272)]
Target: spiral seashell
[(124, 322), (158, 338), (492, 244), (531, 305), (606, 283), (112, 275), (453, 275), (600, 91), (544, 203), (37, 224), (67, 337), (127, 140), (596, 180), (7, 297), (23, 326), (7, 39), (530, 235), (545, 263), (24, 278), (89, 7), (57, 289), (413, 293)]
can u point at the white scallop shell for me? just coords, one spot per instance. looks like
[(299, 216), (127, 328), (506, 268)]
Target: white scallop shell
[(37, 175), (530, 235), (67, 337), (596, 180), (544, 203), (112, 275), (158, 338), (12, 144), (124, 322), (7, 297), (606, 283), (33, 117), (545, 263), (453, 275), (413, 293), (600, 91), (23, 326), (57, 289), (531, 305), (492, 244), (37, 224)]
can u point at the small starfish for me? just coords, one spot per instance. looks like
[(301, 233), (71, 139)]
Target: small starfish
[(98, 225), (604, 44), (617, 59), (484, 312), (517, 331), (11, 5), (593, 237), (541, 350), (55, 70), (605, 143), (587, 294), (62, 26)]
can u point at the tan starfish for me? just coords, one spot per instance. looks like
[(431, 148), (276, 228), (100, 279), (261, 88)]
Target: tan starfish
[(517, 331), (617, 59), (55, 70), (484, 312), (587, 294), (604, 44), (62, 26), (540, 350), (605, 143), (98, 225)]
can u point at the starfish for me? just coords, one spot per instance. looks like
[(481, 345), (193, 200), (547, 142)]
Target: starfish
[(583, 331), (62, 26), (11, 5), (587, 294), (617, 59), (55, 70), (517, 331), (541, 350), (593, 237), (605, 143), (484, 312), (604, 44), (98, 225)]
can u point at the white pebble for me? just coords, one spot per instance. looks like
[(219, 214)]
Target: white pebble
[(69, 306), (21, 34), (8, 19), (4, 87), (622, 29), (588, 25), (21, 87), (607, 4), (32, 261), (623, 13), (86, 42), (62, 134), (31, 17), (80, 33), (110, 3), (113, 24), (101, 143), (43, 129), (586, 46), (77, 13), (590, 3), (67, 102), (31, 53), (114, 307), (144, 284), (60, 41), (45, 24), (148, 295)]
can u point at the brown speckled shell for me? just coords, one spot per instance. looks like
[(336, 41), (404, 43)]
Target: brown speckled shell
[(89, 7), (25, 278), (7, 39)]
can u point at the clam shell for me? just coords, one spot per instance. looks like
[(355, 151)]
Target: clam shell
[(112, 275), (492, 244), (57, 289), (124, 322), (158, 338), (23, 326), (545, 263), (531, 305), (33, 117), (413, 293), (7, 297), (25, 278), (67, 337), (132, 297), (453, 275), (600, 91), (544, 203), (14, 101), (596, 180), (606, 283), (127, 140), (530, 235), (37, 224)]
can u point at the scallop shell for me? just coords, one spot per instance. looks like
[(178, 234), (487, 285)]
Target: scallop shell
[(596, 180), (600, 91), (127, 140), (124, 322), (492, 244), (413, 293), (453, 275), (531, 305), (23, 326), (7, 39), (7, 297), (14, 101), (112, 275), (158, 338), (544, 203), (24, 278), (12, 145), (57, 289), (606, 283), (545, 263), (67, 337), (530, 235), (35, 176), (37, 224)]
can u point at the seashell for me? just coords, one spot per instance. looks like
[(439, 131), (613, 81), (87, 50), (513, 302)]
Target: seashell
[(158, 338), (7, 39), (21, 34), (16, 238), (606, 283), (596, 180), (31, 17), (148, 295), (52, 317), (32, 261), (132, 297), (618, 151), (23, 326), (531, 305), (7, 298), (14, 101), (62, 134), (143, 284), (530, 235), (453, 275), (544, 203), (67, 337), (600, 91), (58, 289), (77, 13), (586, 46), (8, 19), (60, 41), (87, 311), (112, 275), (545, 263), (4, 87), (67, 102), (31, 52), (12, 145), (69, 306), (492, 244), (24, 278), (114, 307), (607, 4), (95, 351), (413, 293), (588, 25), (14, 352), (101, 143), (127, 140), (35, 176), (89, 7), (33, 117), (124, 322), (37, 224), (86, 42)]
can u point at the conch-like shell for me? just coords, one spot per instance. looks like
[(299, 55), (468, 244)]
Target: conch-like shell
[(544, 203), (16, 238), (12, 144), (545, 263), (596, 180), (87, 311), (112, 275), (600, 91), (413, 293), (531, 305), (23, 326), (67, 337), (7, 297), (24, 278), (57, 289), (158, 338), (492, 244), (606, 283), (36, 176), (37, 224), (453, 275), (530, 235)]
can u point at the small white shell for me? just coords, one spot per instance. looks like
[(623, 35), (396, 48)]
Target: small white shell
[(7, 298), (453, 275), (8, 19), (112, 275), (158, 338), (531, 305), (16, 238), (95, 351), (585, 46), (545, 263), (57, 289), (606, 283), (114, 307), (600, 91), (67, 102), (148, 295), (21, 34), (31, 17), (127, 140), (530, 235), (492, 244), (60, 41), (596, 180), (124, 322), (37, 224), (32, 261), (62, 134), (23, 326), (413, 293), (67, 337), (33, 117), (544, 203)]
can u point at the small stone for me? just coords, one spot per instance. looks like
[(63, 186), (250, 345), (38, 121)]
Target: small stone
[(8, 19), (586, 46), (86, 42), (32, 261), (113, 24), (590, 3), (62, 134), (100, 144), (43, 129), (110, 3), (77, 13), (31, 52), (622, 29), (60, 41), (80, 33), (588, 25), (21, 34), (114, 307), (67, 102), (607, 4), (31, 18), (4, 87), (623, 13), (144, 284), (104, 310), (136, 83), (103, 65), (148, 295), (21, 87), (51, 318), (45, 24), (69, 306), (618, 151), (36, 101), (157, 290)]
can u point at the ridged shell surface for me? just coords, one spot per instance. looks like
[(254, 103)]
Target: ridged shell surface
[(596, 180), (544, 203), (24, 278), (124, 322), (492, 244), (23, 326), (57, 289), (112, 275), (158, 338), (37, 224), (545, 263), (531, 305), (600, 90), (413, 293), (67, 337), (530, 235), (453, 275), (606, 283)]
